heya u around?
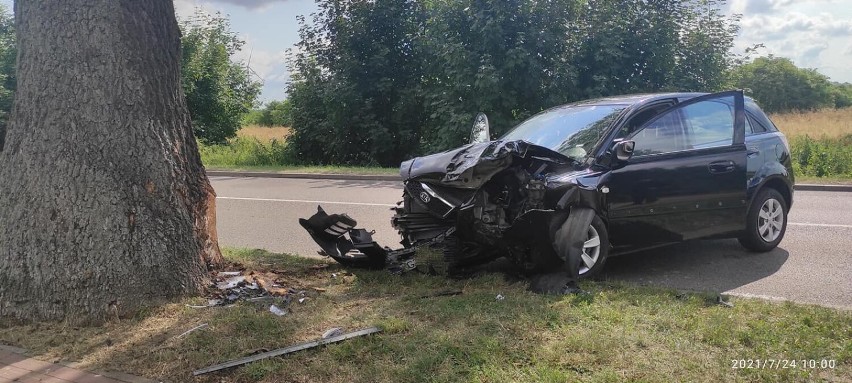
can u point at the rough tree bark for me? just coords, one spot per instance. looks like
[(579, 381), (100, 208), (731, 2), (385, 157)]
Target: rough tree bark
[(104, 203)]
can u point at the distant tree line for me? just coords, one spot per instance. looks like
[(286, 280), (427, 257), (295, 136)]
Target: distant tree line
[(375, 82), (274, 113), (779, 86), (378, 81)]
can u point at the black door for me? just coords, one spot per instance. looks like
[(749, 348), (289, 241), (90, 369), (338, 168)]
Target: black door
[(687, 177)]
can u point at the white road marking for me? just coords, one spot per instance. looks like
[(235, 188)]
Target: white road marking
[(818, 224), (305, 201)]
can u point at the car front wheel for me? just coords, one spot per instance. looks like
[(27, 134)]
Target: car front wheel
[(595, 249), (766, 222)]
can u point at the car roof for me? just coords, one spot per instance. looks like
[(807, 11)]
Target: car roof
[(635, 99)]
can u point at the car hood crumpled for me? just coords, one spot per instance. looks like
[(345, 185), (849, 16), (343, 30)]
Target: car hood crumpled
[(471, 166)]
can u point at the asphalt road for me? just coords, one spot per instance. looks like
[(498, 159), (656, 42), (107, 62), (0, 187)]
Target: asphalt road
[(813, 264)]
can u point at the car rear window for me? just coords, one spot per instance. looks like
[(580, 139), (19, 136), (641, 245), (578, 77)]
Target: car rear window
[(759, 117)]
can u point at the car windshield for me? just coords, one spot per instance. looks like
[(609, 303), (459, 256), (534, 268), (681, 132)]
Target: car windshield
[(571, 130)]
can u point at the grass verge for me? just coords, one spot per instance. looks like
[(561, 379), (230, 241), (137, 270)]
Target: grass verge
[(310, 169), (618, 333)]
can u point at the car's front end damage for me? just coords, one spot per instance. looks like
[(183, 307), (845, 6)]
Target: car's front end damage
[(479, 202)]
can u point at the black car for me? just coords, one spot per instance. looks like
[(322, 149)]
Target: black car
[(619, 174)]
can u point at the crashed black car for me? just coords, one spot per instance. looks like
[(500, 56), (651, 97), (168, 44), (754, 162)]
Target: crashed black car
[(617, 174)]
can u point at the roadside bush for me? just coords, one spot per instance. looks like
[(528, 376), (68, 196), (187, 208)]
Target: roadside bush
[(823, 157), (245, 151)]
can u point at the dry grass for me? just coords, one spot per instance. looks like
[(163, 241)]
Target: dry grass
[(828, 123), (618, 333), (265, 134)]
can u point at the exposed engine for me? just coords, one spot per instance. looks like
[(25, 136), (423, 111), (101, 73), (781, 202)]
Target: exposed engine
[(480, 202), (482, 216)]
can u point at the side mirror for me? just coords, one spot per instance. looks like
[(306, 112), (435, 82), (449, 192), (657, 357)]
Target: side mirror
[(623, 150), (481, 131)]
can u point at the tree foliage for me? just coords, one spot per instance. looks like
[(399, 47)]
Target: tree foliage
[(357, 97), (8, 51), (778, 85), (218, 90), (379, 81), (274, 113)]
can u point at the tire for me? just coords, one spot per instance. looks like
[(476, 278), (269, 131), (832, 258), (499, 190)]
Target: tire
[(595, 240), (597, 227), (766, 222)]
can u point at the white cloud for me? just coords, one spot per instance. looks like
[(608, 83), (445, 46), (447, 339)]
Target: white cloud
[(777, 27), (186, 8), (829, 26), (250, 4), (805, 33), (264, 63), (751, 7), (269, 66)]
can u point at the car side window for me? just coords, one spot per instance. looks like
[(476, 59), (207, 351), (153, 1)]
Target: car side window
[(704, 124), (753, 126), (710, 124), (639, 119), (661, 136)]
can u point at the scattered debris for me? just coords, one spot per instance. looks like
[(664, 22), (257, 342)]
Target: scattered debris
[(230, 283), (269, 286), (288, 350), (277, 310), (445, 293), (334, 331), (500, 297), (185, 333), (721, 301), (263, 298)]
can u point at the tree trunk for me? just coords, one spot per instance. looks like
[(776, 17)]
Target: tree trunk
[(104, 203)]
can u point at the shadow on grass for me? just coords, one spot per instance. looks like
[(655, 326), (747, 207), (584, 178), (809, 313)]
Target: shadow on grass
[(620, 332)]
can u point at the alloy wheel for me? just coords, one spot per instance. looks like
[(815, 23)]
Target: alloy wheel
[(591, 250), (770, 220)]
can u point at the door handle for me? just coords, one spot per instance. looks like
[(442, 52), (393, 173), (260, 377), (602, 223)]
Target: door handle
[(719, 167), (753, 151)]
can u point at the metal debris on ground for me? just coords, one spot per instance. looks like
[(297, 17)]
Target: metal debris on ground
[(721, 301), (230, 283), (267, 287), (445, 293), (277, 310), (185, 333), (287, 350), (334, 331)]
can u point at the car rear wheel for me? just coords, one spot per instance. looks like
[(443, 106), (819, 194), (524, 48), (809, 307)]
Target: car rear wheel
[(766, 222)]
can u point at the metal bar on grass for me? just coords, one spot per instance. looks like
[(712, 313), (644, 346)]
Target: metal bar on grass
[(287, 350)]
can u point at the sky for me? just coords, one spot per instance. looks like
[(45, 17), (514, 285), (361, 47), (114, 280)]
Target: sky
[(813, 33)]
